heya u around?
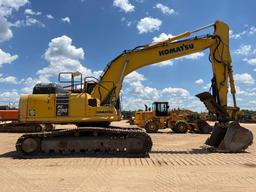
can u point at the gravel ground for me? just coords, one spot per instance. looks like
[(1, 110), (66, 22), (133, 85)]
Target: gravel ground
[(176, 163)]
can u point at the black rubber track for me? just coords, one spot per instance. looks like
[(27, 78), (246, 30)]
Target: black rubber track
[(110, 133)]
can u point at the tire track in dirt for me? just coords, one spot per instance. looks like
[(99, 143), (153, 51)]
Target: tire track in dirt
[(99, 180), (8, 177), (155, 159), (168, 168), (167, 179)]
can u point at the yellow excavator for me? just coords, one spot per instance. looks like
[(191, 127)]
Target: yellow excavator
[(96, 103)]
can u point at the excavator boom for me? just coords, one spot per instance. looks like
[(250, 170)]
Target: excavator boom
[(175, 47)]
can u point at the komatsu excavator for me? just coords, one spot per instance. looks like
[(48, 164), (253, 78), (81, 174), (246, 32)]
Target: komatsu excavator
[(98, 102)]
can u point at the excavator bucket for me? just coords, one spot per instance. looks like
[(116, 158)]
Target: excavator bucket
[(237, 138), (211, 105), (230, 137), (225, 137)]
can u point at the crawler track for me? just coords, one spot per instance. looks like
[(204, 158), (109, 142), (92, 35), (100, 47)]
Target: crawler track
[(87, 140), (17, 127)]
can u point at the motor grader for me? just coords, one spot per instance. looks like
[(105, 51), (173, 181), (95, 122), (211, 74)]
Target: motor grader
[(97, 103), (160, 117)]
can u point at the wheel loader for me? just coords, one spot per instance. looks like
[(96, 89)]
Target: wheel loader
[(96, 102), (160, 117)]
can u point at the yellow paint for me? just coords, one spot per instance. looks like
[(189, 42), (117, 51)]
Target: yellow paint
[(42, 108)]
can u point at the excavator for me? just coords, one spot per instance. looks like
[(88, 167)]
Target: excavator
[(97, 102)]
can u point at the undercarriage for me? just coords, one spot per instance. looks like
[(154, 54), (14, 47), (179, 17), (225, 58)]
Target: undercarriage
[(86, 140)]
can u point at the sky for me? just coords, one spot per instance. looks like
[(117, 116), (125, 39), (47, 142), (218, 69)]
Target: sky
[(40, 38)]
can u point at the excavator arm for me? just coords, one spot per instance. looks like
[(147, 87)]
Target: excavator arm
[(131, 60), (229, 137)]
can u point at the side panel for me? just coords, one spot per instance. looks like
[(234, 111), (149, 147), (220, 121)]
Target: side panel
[(72, 108), (77, 105), (41, 106), (23, 104)]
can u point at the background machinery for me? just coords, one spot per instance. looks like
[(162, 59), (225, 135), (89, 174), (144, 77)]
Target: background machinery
[(160, 117), (97, 102)]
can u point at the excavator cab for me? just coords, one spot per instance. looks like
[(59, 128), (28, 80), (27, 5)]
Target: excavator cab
[(161, 108)]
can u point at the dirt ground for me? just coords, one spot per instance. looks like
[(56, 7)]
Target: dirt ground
[(176, 163)]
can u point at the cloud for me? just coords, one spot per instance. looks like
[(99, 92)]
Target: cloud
[(8, 5), (164, 9), (207, 86), (5, 31), (6, 9), (243, 50), (28, 84), (233, 35), (31, 12), (250, 30), (49, 16), (194, 56), (62, 56), (244, 78), (124, 5), (251, 61), (199, 81), (247, 92), (135, 94), (247, 97), (9, 96), (66, 20), (134, 76), (129, 23), (253, 102), (29, 21), (8, 79), (61, 47), (136, 89), (164, 63), (175, 91), (6, 58), (162, 37), (148, 24)]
